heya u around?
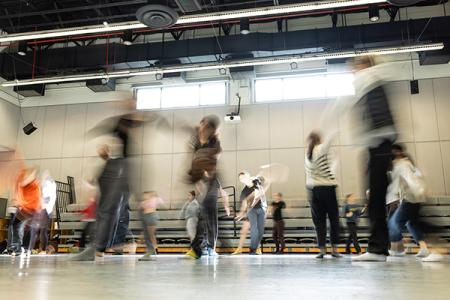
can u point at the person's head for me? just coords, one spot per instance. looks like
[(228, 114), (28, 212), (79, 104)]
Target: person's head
[(398, 151), (360, 63), (350, 199), (208, 126), (149, 195), (314, 139), (191, 195), (104, 151), (245, 178), (277, 197)]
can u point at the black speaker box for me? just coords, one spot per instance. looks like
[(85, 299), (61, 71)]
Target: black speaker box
[(29, 128), (414, 85)]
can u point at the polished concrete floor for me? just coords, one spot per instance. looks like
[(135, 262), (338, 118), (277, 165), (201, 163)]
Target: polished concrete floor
[(225, 277)]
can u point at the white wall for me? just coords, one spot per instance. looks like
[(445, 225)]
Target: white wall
[(9, 124), (268, 133)]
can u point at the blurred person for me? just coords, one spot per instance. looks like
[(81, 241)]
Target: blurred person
[(245, 228), (408, 186), (28, 203), (113, 185), (352, 211), (148, 208), (254, 198), (190, 212), (41, 220), (276, 208), (321, 183), (378, 132), (206, 148)]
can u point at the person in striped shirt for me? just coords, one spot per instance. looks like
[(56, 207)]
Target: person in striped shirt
[(321, 184)]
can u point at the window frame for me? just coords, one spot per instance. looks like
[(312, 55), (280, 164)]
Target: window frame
[(282, 100), (199, 83)]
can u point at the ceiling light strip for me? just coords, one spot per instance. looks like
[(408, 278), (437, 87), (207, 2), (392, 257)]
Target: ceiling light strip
[(230, 64), (190, 19)]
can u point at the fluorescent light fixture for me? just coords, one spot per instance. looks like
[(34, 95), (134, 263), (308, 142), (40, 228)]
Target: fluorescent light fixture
[(245, 26), (374, 13), (231, 64), (192, 19)]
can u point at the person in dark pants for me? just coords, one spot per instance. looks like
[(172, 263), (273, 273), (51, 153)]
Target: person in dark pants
[(120, 236), (113, 184), (321, 184), (203, 173), (352, 211), (278, 223), (378, 134)]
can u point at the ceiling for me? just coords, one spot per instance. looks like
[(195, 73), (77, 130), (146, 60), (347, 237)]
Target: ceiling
[(89, 56), (30, 15)]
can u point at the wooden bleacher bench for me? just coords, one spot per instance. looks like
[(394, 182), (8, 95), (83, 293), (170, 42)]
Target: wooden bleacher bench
[(299, 228)]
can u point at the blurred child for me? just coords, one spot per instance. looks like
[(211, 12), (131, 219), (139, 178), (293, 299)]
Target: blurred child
[(190, 212), (278, 223), (42, 219), (352, 212), (149, 206), (28, 203)]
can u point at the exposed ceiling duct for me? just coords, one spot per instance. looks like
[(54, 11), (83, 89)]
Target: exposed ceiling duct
[(157, 16), (232, 64), (88, 59), (188, 6)]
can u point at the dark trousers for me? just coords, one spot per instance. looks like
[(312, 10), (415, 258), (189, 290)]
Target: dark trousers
[(278, 234), (407, 214), (352, 237), (88, 234), (17, 232), (379, 162), (207, 226), (39, 227), (324, 203), (121, 231), (108, 213)]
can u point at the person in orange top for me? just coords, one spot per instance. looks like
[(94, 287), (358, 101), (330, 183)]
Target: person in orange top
[(28, 202)]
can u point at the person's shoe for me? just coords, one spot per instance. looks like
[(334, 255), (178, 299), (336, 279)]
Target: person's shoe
[(423, 252), (28, 253), (191, 253), (320, 256), (205, 252), (252, 253), (258, 251), (336, 254), (87, 255), (434, 257), (238, 251), (370, 257), (147, 257), (42, 253), (212, 252), (397, 253)]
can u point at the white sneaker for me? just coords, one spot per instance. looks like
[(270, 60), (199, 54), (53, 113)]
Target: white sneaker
[(397, 253), (370, 257), (423, 252), (212, 252), (434, 257)]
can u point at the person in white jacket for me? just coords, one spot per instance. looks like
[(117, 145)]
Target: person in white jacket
[(41, 221), (408, 186)]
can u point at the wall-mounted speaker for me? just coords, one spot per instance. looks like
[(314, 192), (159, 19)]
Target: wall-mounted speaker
[(414, 85), (29, 128)]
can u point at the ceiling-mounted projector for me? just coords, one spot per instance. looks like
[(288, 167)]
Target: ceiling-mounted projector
[(232, 118)]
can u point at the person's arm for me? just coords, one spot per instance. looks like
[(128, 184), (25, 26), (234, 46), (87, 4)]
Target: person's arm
[(242, 211), (226, 200), (183, 211)]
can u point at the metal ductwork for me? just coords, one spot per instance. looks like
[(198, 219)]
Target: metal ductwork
[(74, 60), (157, 16), (187, 6)]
